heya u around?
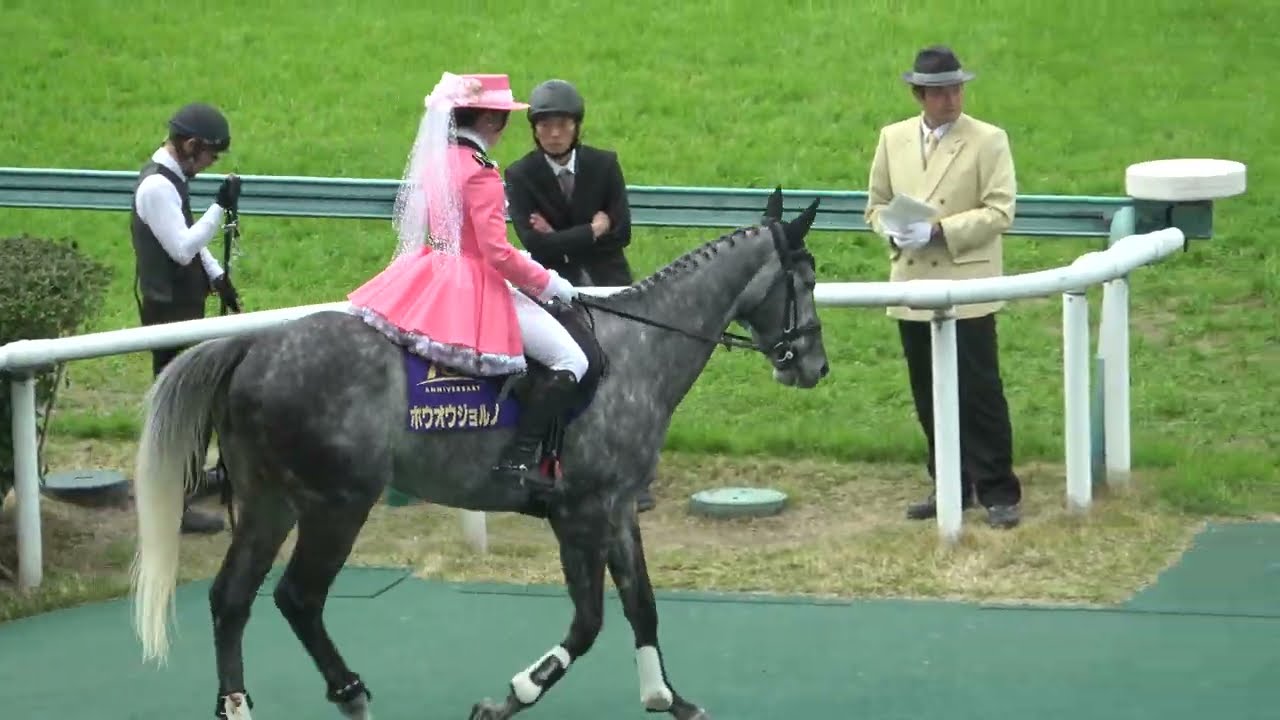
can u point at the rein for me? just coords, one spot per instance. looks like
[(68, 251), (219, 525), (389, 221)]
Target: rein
[(780, 348), (728, 339), (230, 231)]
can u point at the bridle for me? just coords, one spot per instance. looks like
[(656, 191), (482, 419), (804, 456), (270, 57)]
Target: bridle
[(780, 347)]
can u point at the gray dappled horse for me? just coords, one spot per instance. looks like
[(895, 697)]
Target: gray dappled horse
[(310, 422)]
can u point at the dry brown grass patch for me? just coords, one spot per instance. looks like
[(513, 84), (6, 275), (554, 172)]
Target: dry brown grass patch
[(843, 534)]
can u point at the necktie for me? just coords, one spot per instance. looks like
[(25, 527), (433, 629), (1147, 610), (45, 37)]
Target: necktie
[(930, 144), (566, 182)]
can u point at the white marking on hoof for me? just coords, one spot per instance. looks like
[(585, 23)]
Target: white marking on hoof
[(525, 689), (357, 709), (235, 707), (654, 693)]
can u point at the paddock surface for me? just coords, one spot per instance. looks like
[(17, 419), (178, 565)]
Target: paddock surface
[(1204, 641)]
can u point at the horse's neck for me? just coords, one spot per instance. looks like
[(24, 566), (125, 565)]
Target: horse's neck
[(698, 294)]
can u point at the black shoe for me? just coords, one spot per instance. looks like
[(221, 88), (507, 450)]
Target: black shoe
[(1003, 516), (548, 401), (199, 522), (928, 508)]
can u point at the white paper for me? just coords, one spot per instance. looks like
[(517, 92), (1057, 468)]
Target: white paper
[(904, 210)]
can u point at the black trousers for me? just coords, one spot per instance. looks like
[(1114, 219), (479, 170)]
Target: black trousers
[(986, 435), (151, 312)]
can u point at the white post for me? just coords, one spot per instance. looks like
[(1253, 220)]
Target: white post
[(1114, 338), (1075, 390), (26, 488), (1113, 348), (474, 530), (946, 425)]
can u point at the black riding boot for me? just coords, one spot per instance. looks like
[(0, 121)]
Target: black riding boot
[(548, 401)]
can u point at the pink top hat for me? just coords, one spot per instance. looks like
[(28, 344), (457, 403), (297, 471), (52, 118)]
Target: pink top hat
[(477, 90)]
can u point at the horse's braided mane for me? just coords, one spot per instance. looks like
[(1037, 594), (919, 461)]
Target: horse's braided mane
[(687, 262)]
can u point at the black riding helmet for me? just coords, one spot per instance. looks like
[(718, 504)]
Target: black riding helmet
[(556, 97), (204, 123)]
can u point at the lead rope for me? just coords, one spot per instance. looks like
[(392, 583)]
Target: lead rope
[(231, 231)]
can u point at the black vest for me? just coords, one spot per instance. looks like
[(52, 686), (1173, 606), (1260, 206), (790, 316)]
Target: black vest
[(158, 277)]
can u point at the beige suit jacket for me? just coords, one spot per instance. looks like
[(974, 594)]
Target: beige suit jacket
[(971, 184)]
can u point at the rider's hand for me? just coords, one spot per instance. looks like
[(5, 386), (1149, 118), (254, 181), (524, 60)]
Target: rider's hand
[(600, 224), (558, 288), (229, 193), (222, 285), (540, 224)]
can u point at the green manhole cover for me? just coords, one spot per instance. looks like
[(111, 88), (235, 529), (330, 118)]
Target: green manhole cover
[(88, 487), (737, 502)]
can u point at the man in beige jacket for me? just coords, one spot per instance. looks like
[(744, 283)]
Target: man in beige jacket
[(961, 167)]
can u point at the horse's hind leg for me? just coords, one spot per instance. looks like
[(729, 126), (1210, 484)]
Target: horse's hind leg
[(325, 537), (582, 559), (631, 576), (262, 525)]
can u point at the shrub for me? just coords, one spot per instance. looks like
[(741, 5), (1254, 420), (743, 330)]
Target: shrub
[(48, 289)]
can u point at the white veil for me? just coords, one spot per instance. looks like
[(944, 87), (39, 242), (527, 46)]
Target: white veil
[(427, 207)]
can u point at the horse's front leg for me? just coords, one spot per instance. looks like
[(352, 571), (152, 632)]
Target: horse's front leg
[(631, 576), (582, 558)]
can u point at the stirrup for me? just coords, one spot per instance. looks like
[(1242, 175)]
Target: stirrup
[(525, 476)]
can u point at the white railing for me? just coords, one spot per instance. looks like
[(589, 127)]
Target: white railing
[(1108, 267)]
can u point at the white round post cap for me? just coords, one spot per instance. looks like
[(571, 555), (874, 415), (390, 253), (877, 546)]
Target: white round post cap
[(1184, 179)]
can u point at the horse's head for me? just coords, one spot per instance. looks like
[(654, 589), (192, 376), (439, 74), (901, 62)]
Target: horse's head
[(778, 306)]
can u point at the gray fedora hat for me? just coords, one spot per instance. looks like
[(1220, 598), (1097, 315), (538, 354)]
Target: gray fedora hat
[(937, 66)]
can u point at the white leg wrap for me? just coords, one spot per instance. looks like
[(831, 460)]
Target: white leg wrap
[(654, 693), (236, 707), (525, 689)]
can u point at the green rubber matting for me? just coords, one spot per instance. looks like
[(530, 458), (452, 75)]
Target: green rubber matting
[(429, 650), (1232, 569)]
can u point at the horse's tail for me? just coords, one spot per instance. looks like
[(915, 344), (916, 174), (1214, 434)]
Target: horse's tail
[(175, 435)]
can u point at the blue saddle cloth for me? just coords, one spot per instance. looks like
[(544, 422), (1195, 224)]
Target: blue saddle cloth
[(442, 400)]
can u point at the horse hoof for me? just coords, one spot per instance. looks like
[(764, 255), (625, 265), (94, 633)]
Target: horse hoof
[(690, 712), (487, 710), (236, 707), (356, 709)]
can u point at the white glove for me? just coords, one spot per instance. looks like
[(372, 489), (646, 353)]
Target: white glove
[(915, 236), (558, 288)]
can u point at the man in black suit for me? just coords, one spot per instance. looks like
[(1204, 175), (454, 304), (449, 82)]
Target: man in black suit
[(568, 201)]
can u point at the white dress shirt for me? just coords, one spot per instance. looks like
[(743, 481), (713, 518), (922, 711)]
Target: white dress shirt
[(926, 131), (570, 165), (160, 207)]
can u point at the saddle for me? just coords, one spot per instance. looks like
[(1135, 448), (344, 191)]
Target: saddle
[(580, 325)]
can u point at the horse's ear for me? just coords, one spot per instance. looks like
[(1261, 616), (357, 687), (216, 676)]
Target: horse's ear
[(773, 209), (799, 226)]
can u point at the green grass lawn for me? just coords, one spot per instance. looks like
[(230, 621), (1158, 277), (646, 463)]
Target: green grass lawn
[(719, 93)]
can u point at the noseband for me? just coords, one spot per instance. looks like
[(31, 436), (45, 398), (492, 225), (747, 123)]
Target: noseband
[(780, 348)]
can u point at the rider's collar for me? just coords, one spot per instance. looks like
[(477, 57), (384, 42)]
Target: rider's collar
[(474, 137), (570, 163)]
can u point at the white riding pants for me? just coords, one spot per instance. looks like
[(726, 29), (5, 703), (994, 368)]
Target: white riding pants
[(546, 340)]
